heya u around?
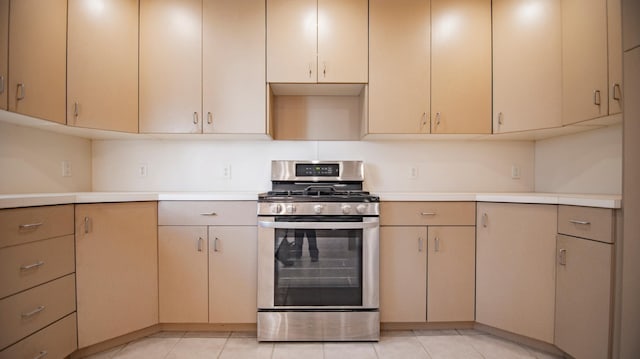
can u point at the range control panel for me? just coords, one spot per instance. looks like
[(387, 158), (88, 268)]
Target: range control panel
[(317, 170)]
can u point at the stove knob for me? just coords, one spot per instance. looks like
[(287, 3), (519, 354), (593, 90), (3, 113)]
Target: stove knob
[(291, 209), (318, 208), (276, 208), (346, 209), (361, 208)]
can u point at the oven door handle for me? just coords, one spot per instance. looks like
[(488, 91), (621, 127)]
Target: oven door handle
[(317, 225)]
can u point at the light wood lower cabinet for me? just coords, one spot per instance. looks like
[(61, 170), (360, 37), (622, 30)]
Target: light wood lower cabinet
[(116, 268), (515, 276), (55, 341)]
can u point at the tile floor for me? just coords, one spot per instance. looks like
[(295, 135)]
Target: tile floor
[(424, 344)]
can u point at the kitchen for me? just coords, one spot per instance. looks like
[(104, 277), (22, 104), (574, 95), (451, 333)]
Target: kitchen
[(168, 161)]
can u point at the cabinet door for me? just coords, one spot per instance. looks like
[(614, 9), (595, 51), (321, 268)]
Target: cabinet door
[(233, 274), (234, 94), (102, 65), (515, 270), (451, 274), (182, 274), (171, 66), (403, 274), (614, 47), (343, 46), (399, 62), (630, 24), (292, 35), (4, 52), (583, 297), (527, 87), (38, 58), (584, 60), (460, 66), (116, 269)]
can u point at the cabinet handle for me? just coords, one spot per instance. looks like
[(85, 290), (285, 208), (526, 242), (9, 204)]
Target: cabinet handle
[(437, 119), (86, 225), (209, 214), (423, 121), (20, 94), (200, 241), (500, 118), (310, 72), (596, 97), (428, 213), (31, 266), (576, 221), (324, 69), (562, 258), (41, 355), (195, 118), (26, 227), (209, 117), (485, 220), (33, 312), (215, 244), (76, 110), (1, 84), (437, 244), (419, 244), (617, 92)]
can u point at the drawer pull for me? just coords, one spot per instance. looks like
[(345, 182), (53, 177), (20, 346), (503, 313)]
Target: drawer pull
[(562, 258), (485, 220), (575, 221), (26, 227), (33, 312), (41, 355), (437, 244), (209, 214), (200, 243), (428, 213), (31, 266), (419, 244), (215, 244)]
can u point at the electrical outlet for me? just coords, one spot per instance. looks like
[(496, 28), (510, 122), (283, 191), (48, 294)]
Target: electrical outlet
[(414, 172), (66, 168), (515, 172), (143, 170)]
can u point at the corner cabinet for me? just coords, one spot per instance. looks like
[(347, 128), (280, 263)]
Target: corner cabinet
[(102, 65), (202, 67), (315, 41), (427, 262), (38, 58), (116, 269), (515, 276)]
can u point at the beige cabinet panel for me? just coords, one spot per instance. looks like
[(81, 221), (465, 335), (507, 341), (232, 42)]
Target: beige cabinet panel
[(234, 95), (182, 274), (399, 60), (403, 274), (451, 274), (24, 225), (38, 58), (583, 297), (116, 269), (102, 65), (4, 52), (427, 213), (292, 36), (614, 47), (233, 274), (343, 50), (171, 66), (202, 213), (461, 66), (515, 268), (58, 340), (527, 65), (584, 60)]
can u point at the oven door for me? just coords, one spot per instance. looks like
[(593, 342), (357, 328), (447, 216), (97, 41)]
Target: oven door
[(325, 262)]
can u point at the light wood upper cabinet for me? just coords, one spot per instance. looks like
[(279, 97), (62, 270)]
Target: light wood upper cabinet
[(171, 66), (614, 47), (102, 65), (527, 65), (313, 41), (116, 269), (234, 92), (515, 264), (38, 54), (4, 52), (399, 60), (461, 66)]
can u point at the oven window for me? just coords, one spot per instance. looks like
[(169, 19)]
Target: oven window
[(318, 267)]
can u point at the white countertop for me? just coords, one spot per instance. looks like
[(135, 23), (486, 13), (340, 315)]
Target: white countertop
[(43, 199)]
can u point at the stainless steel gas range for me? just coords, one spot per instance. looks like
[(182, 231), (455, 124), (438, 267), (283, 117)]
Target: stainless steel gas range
[(318, 254)]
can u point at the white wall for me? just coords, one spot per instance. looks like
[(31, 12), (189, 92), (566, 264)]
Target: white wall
[(443, 166), (30, 161), (587, 162)]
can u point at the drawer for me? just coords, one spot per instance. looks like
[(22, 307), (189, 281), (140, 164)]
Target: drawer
[(203, 213), (428, 213), (27, 312), (31, 264), (587, 222), (22, 225), (55, 341)]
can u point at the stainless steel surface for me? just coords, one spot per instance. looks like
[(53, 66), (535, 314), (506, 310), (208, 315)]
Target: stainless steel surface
[(195, 118), (319, 326), (33, 312), (313, 208), (577, 221), (317, 225), (24, 227), (20, 92), (370, 262), (562, 258), (286, 171), (31, 266), (596, 97)]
